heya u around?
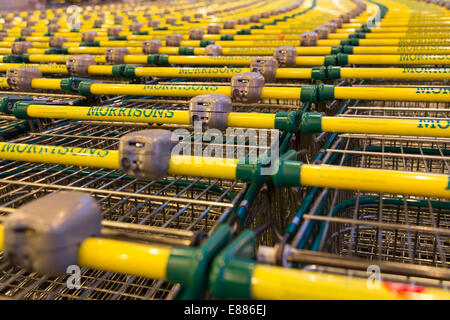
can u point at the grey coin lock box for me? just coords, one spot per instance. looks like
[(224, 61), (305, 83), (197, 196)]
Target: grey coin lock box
[(54, 27), (171, 20), (255, 18), (196, 34), (211, 109), (136, 26), (78, 65), (56, 42), (214, 28), (267, 66), (145, 154), (213, 50), (45, 234), (21, 47), (174, 40), (115, 55), (185, 18), (153, 23), (322, 32), (99, 21), (229, 24), (151, 46), (309, 39), (285, 56), (88, 36), (114, 31), (118, 19), (243, 21), (247, 87), (331, 26), (21, 78), (28, 31)]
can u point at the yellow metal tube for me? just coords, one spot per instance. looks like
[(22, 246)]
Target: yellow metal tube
[(210, 167), (393, 126), (277, 283), (374, 180), (251, 120), (124, 257), (158, 90), (198, 72), (49, 84), (406, 59), (86, 157), (440, 50), (396, 73), (408, 94)]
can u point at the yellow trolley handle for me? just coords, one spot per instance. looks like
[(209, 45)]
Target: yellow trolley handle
[(290, 172)]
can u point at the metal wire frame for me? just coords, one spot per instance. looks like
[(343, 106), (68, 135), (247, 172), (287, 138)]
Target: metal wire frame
[(174, 203), (383, 227)]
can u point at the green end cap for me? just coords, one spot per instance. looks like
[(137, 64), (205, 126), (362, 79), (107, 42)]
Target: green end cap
[(57, 51), (163, 60), (152, 59), (311, 122), (140, 33), (118, 70), (287, 121), (348, 49), (333, 72), (342, 59), (248, 172), (72, 84), (49, 34), (7, 103), (318, 73), (20, 110), (19, 39), (95, 43), (84, 88), (350, 42), (244, 31), (189, 266), (205, 43), (360, 35), (330, 60), (227, 37), (26, 58), (97, 26), (115, 38), (288, 173), (161, 29), (186, 51), (232, 270), (325, 92), (308, 93), (129, 71), (13, 58), (336, 49)]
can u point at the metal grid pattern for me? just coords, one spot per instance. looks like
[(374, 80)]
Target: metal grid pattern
[(384, 227)]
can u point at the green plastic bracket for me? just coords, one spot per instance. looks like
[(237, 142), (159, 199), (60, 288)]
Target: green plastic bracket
[(84, 88), (336, 49), (118, 70), (186, 51), (350, 42), (129, 71), (325, 92), (19, 39), (153, 59), (57, 51), (318, 73), (13, 58), (348, 49), (205, 43), (231, 271), (311, 122), (227, 37), (189, 266), (333, 72), (161, 28), (49, 34), (308, 93), (116, 38), (20, 109), (140, 33), (249, 172), (289, 170), (244, 31), (287, 121), (72, 84), (95, 43), (329, 60), (342, 59), (163, 60), (7, 103)]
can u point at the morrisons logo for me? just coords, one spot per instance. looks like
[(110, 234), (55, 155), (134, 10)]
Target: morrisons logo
[(129, 112), (425, 70), (434, 124), (431, 90)]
